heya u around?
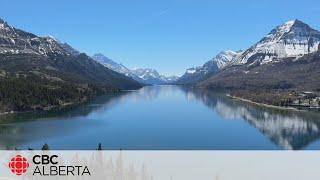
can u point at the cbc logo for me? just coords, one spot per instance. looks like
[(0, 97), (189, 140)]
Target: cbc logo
[(18, 165), (45, 159)]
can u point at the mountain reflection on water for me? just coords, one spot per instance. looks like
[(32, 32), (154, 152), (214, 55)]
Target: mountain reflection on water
[(163, 117), (287, 128)]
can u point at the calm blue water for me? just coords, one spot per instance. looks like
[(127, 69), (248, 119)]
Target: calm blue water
[(163, 117)]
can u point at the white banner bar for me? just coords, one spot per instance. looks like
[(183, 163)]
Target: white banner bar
[(161, 165)]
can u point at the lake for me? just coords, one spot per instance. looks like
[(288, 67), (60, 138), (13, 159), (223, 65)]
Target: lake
[(163, 118)]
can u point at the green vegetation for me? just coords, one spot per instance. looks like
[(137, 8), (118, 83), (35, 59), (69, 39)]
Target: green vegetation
[(34, 93), (31, 82), (280, 84)]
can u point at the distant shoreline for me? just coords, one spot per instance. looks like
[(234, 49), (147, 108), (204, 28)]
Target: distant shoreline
[(263, 104), (46, 108)]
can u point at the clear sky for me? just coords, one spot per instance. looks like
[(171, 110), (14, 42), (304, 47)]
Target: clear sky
[(168, 35)]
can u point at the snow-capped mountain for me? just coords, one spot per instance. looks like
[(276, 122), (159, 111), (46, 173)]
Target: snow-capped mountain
[(15, 41), (292, 39), (171, 79), (224, 58), (286, 61), (219, 62), (151, 76), (109, 63), (69, 48), (145, 76), (50, 60)]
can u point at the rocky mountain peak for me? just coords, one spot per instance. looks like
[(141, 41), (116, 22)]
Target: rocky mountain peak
[(4, 27), (105, 61), (298, 24), (3, 23), (16, 41), (142, 75), (220, 61), (291, 39), (224, 58), (289, 30)]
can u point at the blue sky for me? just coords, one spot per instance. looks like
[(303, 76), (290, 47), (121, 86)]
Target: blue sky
[(168, 35)]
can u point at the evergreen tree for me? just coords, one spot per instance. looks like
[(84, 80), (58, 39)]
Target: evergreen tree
[(45, 147), (99, 147)]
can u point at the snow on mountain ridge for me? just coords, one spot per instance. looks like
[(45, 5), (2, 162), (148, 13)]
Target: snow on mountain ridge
[(111, 64), (16, 41), (220, 61), (152, 76), (142, 75), (192, 70), (225, 57), (291, 39)]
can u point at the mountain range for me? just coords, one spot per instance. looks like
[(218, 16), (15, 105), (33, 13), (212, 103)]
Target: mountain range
[(292, 39), (275, 70), (223, 59), (41, 71), (142, 75)]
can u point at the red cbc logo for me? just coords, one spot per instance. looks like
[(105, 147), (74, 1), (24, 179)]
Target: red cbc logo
[(18, 165)]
